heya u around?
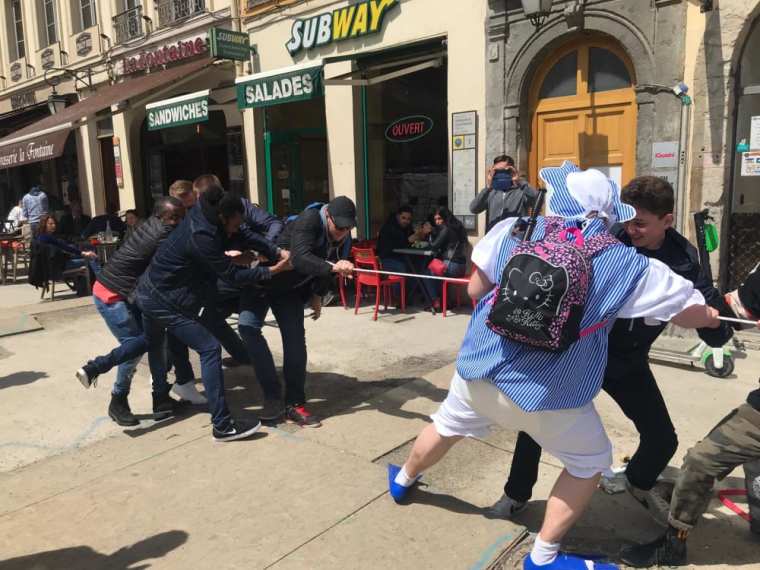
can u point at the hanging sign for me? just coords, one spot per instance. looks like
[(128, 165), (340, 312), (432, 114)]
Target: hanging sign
[(227, 44), (408, 129), (264, 90), (184, 110), (117, 164), (350, 22)]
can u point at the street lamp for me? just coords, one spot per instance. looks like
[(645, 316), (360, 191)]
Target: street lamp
[(537, 11), (56, 102)]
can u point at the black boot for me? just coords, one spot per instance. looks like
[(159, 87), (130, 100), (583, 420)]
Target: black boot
[(164, 404), (118, 411), (668, 550)]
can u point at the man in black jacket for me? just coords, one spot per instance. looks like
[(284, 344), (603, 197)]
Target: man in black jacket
[(316, 236), (397, 233), (113, 294), (179, 287), (628, 378)]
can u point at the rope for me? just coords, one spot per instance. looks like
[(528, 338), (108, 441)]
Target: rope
[(412, 275)]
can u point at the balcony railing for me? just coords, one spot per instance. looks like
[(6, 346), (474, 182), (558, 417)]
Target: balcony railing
[(172, 11), (128, 25)]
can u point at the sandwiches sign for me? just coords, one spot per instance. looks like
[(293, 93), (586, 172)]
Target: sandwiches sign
[(353, 21), (184, 110)]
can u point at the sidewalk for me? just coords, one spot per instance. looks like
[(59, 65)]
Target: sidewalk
[(82, 493)]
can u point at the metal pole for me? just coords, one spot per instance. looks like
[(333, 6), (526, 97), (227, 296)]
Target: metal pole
[(683, 147)]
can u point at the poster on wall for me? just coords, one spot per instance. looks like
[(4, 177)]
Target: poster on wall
[(751, 163), (754, 133), (464, 164)]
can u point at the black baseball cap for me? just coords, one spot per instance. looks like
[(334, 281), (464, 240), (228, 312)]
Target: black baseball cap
[(343, 212)]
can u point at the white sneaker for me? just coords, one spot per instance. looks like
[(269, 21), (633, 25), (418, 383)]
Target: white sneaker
[(505, 508), (189, 393)]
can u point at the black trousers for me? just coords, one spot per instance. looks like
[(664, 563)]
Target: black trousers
[(633, 386)]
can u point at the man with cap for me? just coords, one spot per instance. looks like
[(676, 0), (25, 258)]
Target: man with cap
[(549, 395), (319, 241)]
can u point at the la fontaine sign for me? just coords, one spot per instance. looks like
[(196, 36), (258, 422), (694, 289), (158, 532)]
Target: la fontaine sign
[(183, 49)]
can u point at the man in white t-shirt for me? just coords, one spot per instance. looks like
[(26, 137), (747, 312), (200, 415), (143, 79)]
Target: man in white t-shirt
[(549, 394)]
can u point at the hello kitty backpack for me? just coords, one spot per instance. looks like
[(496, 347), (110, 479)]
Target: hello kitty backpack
[(541, 297)]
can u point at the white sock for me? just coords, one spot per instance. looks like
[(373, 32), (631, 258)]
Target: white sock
[(544, 552), (403, 479)]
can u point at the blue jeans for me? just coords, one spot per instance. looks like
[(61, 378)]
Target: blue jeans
[(124, 322), (453, 269), (159, 319), (289, 313)]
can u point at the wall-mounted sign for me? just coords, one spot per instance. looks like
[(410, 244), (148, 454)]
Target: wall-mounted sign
[(751, 163), (754, 133), (84, 44), (226, 44), (185, 110), (16, 71), (183, 49), (118, 168), (20, 100), (350, 22), (665, 154), (408, 129), (296, 84), (464, 163), (47, 58)]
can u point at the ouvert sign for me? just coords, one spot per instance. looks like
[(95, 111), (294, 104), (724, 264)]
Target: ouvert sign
[(185, 110), (297, 83)]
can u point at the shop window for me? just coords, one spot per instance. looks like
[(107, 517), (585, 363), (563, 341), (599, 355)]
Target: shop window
[(606, 71), (561, 81)]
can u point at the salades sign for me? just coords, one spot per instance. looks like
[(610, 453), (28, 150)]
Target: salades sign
[(350, 22), (285, 86), (185, 110), (407, 129), (183, 49)]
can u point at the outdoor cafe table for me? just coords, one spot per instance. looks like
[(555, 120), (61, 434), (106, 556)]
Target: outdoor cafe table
[(410, 255), (6, 253)]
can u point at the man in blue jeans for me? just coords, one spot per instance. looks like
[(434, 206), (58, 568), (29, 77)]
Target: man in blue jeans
[(316, 236), (113, 295), (178, 289)]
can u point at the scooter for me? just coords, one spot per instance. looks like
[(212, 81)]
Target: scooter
[(717, 362)]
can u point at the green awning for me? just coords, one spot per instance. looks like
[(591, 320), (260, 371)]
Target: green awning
[(284, 85), (185, 110)]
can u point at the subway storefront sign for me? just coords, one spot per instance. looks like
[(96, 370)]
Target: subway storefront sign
[(286, 86), (185, 110)]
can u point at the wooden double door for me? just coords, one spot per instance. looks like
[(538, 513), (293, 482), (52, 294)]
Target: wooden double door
[(584, 110)]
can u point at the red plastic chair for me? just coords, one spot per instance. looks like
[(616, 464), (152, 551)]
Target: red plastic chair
[(457, 283), (366, 259)]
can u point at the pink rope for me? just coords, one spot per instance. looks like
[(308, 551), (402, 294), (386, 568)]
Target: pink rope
[(724, 493)]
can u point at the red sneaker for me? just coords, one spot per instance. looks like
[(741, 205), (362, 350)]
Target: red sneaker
[(301, 416)]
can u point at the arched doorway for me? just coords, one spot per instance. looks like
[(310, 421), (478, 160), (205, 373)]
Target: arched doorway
[(584, 109)]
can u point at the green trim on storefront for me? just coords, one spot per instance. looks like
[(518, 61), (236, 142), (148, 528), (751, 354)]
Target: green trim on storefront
[(365, 158)]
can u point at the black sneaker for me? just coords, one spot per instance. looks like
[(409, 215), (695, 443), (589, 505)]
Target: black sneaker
[(164, 404), (236, 430), (668, 550), (271, 410), (229, 362), (301, 416), (87, 375), (118, 411)]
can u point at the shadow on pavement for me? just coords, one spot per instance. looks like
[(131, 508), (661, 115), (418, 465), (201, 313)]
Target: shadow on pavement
[(446, 502), (21, 379), (85, 558)]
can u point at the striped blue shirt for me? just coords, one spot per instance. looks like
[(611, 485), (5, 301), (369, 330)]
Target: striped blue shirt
[(540, 380)]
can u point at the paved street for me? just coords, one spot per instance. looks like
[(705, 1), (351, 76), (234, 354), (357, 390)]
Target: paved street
[(80, 492)]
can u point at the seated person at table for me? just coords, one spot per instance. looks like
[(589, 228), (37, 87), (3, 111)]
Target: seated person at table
[(76, 258), (74, 221), (449, 247), (100, 223), (397, 233)]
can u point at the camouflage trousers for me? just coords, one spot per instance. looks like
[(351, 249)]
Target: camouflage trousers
[(733, 442)]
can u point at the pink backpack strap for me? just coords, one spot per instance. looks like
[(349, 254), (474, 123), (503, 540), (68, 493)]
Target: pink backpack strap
[(598, 243)]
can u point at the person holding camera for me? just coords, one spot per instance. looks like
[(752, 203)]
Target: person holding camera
[(506, 195)]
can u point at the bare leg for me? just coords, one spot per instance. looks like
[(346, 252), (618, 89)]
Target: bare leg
[(567, 502), (429, 449)]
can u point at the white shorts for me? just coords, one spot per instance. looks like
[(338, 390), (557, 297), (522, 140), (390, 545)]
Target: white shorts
[(576, 437)]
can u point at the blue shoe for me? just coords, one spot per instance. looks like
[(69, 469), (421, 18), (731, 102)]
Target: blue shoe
[(568, 562), (398, 492)]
